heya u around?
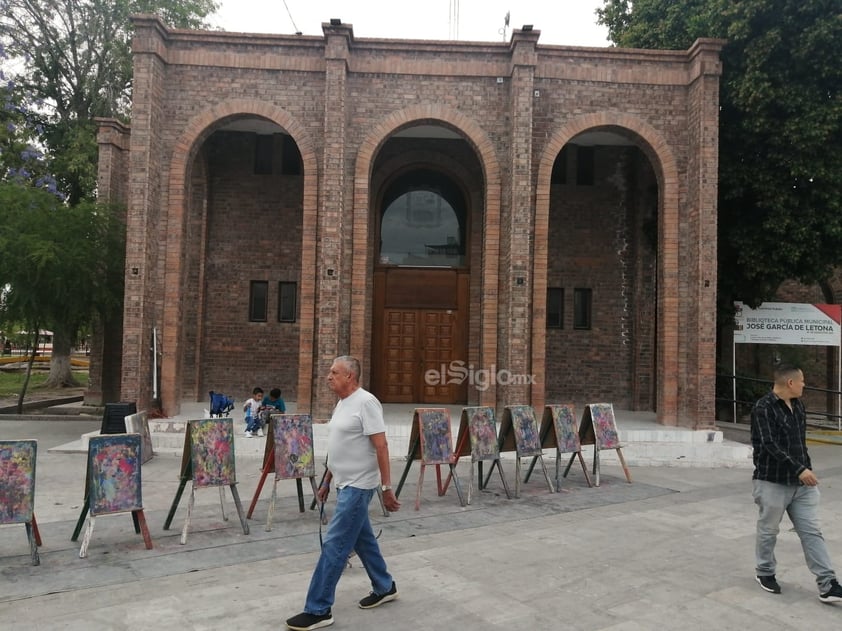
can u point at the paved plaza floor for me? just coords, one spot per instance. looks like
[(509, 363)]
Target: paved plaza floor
[(672, 550)]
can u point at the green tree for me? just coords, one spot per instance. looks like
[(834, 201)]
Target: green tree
[(73, 57), (780, 176), (58, 260)]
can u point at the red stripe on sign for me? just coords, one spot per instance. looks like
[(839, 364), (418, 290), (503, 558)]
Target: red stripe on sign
[(834, 312)]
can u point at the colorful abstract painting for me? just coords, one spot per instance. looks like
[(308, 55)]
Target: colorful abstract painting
[(604, 425), (482, 428), (294, 457), (566, 431), (212, 452), (436, 445), (17, 480), (527, 442), (114, 469)]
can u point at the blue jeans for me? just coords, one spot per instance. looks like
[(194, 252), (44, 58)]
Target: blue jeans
[(801, 503), (350, 529)]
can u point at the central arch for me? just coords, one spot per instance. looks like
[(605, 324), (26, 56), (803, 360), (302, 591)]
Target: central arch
[(362, 265)]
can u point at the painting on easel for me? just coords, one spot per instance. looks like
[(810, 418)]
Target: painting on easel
[(482, 429), (294, 457), (17, 489), (114, 469), (436, 444), (208, 461), (17, 480), (112, 484), (604, 425), (212, 452)]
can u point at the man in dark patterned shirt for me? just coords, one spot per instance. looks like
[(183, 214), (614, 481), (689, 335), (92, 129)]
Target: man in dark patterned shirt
[(784, 482)]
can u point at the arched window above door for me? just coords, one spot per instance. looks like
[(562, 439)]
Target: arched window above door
[(423, 222)]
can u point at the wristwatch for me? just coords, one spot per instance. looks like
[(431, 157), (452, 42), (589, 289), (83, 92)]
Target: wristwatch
[(385, 487)]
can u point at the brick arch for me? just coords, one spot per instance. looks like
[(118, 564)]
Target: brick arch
[(184, 151), (362, 268), (664, 163)]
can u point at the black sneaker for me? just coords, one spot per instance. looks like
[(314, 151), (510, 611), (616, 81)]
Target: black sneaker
[(769, 584), (307, 621), (833, 595), (375, 600)]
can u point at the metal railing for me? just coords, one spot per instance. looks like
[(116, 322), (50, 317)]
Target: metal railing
[(815, 418)]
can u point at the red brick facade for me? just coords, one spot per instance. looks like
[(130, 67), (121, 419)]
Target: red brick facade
[(638, 230)]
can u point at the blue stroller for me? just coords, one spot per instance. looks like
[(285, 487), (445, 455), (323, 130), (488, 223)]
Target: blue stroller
[(220, 404)]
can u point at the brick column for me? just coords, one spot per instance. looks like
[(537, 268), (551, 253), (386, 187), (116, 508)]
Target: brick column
[(517, 226), (333, 270), (142, 288), (106, 341), (699, 406)]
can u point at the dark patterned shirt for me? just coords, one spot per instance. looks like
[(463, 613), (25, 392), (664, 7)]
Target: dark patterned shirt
[(779, 439)]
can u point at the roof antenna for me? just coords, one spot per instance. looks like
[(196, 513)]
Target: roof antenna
[(502, 31), (453, 19)]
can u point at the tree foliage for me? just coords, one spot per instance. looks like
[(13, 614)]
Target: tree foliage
[(65, 62), (780, 175), (76, 59)]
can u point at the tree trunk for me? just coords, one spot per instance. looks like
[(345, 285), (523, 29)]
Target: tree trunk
[(28, 372), (61, 375)]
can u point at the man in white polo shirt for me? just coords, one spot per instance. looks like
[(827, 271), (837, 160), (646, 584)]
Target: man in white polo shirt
[(358, 461)]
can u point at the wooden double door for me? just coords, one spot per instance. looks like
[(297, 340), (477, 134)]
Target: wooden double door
[(420, 323)]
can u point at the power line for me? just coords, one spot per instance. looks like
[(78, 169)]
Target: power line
[(297, 32)]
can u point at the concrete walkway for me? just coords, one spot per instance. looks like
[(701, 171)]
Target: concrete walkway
[(672, 550)]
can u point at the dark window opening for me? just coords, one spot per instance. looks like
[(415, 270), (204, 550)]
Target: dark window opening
[(286, 301), (559, 175), (585, 166), (555, 308), (582, 308), (290, 157), (264, 148), (258, 300)]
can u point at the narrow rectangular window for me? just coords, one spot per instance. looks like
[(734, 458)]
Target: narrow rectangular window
[(585, 166), (555, 308), (258, 300), (286, 301), (582, 308), (264, 148)]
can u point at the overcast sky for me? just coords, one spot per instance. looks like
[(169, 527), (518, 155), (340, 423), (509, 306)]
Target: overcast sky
[(564, 22)]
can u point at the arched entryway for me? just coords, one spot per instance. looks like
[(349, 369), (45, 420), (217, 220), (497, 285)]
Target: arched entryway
[(241, 206), (427, 217), (601, 272)]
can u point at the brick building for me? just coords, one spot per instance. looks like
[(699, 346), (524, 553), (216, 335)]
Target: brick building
[(480, 223)]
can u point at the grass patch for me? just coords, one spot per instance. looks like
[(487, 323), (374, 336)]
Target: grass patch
[(11, 382)]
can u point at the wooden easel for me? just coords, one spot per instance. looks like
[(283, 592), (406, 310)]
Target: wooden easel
[(187, 473), (89, 509), (25, 452), (271, 466), (427, 416), (468, 443), (602, 434), (558, 429), (509, 440)]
